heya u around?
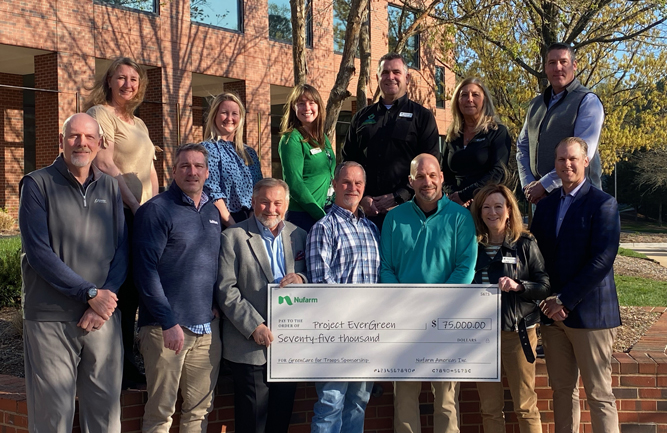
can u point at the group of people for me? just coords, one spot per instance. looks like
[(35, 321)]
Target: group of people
[(99, 240)]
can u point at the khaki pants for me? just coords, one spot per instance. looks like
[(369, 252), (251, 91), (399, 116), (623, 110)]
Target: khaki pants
[(568, 352), (63, 361), (445, 407), (521, 380), (195, 368)]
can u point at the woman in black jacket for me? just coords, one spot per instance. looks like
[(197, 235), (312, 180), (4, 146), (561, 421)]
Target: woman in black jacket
[(508, 255), (477, 147)]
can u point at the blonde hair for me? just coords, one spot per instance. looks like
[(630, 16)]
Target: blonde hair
[(488, 120), (211, 131), (514, 228), (100, 94), (290, 122)]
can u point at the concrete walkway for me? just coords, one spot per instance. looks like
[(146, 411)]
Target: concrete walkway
[(655, 251)]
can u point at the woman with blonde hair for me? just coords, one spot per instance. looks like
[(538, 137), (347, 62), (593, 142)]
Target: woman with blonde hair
[(508, 255), (127, 154), (307, 157), (477, 147), (233, 166)]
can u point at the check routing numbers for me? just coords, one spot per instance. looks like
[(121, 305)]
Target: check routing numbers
[(397, 332)]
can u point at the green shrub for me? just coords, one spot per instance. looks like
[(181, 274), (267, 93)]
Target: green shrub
[(10, 272)]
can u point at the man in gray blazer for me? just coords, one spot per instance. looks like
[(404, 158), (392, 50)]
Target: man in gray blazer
[(261, 250)]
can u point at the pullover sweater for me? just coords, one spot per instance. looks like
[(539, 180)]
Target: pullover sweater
[(440, 249), (175, 251), (73, 239)]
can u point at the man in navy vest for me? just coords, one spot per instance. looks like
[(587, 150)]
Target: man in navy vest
[(74, 260), (565, 109)]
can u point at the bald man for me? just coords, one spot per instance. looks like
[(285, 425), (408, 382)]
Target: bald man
[(74, 260), (427, 240)]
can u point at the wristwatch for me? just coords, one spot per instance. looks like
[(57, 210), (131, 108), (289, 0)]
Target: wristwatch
[(91, 293), (558, 301), (398, 199)]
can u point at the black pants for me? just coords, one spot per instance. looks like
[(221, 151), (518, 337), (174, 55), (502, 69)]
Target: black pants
[(260, 406), (128, 302)]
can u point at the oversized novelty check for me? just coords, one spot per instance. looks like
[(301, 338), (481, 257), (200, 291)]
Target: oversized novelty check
[(384, 332)]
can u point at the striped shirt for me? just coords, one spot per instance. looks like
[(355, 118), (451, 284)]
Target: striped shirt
[(343, 249), (491, 251)]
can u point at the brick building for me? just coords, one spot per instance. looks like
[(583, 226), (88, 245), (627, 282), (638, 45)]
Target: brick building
[(51, 51)]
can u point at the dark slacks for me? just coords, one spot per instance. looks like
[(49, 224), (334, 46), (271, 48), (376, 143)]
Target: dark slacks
[(128, 302), (259, 406)]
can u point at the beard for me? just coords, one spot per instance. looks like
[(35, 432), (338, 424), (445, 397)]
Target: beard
[(269, 223), (80, 159)]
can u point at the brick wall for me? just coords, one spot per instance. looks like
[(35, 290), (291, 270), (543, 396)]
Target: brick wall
[(639, 380), (151, 113), (46, 109), (11, 142)]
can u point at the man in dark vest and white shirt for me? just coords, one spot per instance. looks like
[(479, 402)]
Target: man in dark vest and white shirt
[(565, 109)]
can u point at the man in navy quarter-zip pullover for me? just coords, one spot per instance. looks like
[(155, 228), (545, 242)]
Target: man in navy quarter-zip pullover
[(175, 253), (74, 260)]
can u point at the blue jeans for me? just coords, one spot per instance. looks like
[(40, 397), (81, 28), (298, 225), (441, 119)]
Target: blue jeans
[(340, 407)]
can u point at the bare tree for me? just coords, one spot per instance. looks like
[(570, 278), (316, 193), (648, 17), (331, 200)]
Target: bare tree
[(339, 91), (298, 8)]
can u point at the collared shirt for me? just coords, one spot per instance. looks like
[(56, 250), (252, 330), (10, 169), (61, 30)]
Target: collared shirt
[(565, 202), (342, 248), (384, 141), (230, 178), (204, 328), (587, 126), (274, 249)]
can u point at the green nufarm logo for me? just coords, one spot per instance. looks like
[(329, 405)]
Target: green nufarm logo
[(303, 300)]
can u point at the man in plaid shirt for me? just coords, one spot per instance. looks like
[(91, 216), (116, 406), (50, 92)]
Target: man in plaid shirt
[(342, 248)]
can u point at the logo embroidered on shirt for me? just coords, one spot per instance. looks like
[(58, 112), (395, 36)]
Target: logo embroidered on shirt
[(370, 120), (213, 222), (100, 200)]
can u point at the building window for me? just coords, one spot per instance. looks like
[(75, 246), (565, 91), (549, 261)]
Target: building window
[(439, 87), (226, 14), (141, 5), (280, 24), (341, 10), (400, 19)]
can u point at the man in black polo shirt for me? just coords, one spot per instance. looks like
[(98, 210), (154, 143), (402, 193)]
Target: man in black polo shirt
[(386, 136)]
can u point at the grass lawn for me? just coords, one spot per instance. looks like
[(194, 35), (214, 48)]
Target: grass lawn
[(629, 224), (641, 292), (631, 253)]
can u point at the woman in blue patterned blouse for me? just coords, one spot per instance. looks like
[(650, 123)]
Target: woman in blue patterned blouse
[(234, 167)]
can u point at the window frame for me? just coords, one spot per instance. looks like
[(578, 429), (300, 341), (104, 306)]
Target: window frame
[(154, 12), (240, 20), (413, 63), (309, 26)]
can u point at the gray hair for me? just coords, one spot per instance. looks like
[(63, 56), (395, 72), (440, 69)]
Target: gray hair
[(568, 140), (69, 119), (348, 164), (196, 147), (269, 182)]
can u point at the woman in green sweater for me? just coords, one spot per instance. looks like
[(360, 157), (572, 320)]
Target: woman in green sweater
[(307, 157)]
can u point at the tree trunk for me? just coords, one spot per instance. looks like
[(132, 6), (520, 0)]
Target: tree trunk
[(364, 61), (298, 8), (660, 213), (339, 91)]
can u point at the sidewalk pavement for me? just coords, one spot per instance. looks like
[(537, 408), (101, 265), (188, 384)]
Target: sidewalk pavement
[(655, 251)]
